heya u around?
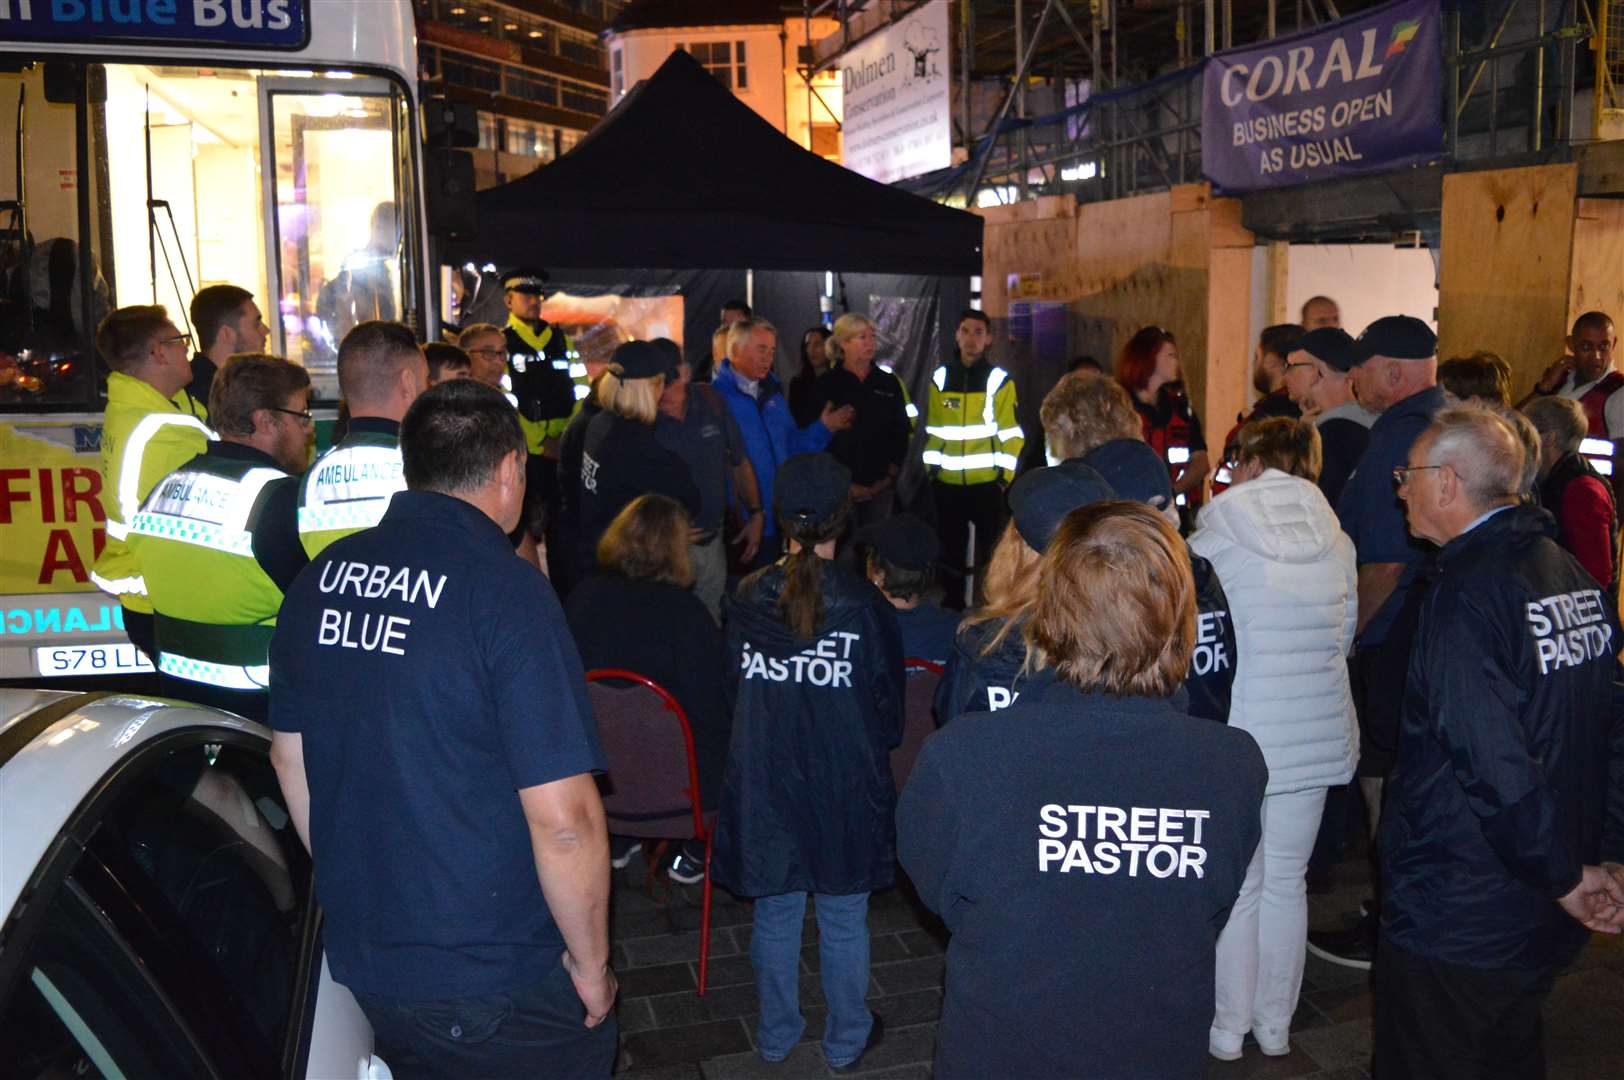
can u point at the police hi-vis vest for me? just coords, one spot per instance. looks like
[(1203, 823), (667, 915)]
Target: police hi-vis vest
[(215, 607), (144, 436), (545, 379), (348, 489), (972, 433)]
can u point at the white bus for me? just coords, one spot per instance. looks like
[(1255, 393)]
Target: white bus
[(269, 144)]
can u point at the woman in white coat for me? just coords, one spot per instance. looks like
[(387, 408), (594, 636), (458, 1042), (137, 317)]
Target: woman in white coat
[(1288, 569)]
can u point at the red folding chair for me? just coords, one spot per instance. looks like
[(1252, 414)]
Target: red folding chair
[(649, 758), (917, 719)]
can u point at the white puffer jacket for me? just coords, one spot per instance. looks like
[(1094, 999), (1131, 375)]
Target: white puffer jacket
[(1288, 570)]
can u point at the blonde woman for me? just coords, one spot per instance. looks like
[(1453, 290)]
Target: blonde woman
[(621, 459), (876, 443)]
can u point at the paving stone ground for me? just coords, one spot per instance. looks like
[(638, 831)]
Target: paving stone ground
[(670, 1033)]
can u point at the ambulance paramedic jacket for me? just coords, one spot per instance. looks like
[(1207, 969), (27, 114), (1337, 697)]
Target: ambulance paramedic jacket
[(808, 800), (1085, 851), (1510, 771)]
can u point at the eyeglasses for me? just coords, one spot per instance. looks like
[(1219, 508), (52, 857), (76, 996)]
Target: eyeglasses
[(185, 339), (305, 417), (1401, 474)]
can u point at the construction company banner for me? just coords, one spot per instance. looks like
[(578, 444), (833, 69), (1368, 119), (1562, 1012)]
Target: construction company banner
[(897, 120), (1361, 95), (51, 520)]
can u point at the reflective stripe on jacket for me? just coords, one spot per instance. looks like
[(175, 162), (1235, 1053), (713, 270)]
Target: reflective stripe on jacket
[(214, 605), (348, 489), (144, 437), (973, 435), (545, 378)]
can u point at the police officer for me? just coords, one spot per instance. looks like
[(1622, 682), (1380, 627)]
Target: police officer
[(217, 539), (434, 743), (972, 446), (381, 370), (150, 427), (1085, 884), (1501, 802), (543, 372)]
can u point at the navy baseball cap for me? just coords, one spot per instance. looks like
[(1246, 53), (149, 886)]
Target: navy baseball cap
[(903, 541), (1041, 499), (1133, 470), (640, 359), (673, 355), (1400, 337), (811, 487), (1331, 345)]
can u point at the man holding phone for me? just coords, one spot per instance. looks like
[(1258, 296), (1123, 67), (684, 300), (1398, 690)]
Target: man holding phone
[(1586, 375)]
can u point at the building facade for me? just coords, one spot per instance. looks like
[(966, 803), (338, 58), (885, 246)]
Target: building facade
[(756, 48), (535, 69)]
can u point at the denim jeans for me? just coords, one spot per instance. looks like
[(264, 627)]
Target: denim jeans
[(534, 1031), (775, 950)]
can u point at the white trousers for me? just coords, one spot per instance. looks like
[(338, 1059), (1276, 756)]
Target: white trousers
[(1262, 948)]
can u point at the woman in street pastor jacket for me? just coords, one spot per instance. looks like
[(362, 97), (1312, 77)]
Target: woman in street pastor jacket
[(808, 800)]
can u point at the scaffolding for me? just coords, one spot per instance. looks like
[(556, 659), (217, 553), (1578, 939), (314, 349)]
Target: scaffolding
[(1510, 71)]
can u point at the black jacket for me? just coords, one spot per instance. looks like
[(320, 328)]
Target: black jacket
[(620, 460), (877, 440), (1510, 770), (1080, 951), (973, 682), (808, 799)]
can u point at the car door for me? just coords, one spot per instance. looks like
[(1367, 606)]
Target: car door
[(186, 870)]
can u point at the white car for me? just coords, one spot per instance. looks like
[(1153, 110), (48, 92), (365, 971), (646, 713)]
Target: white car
[(159, 917)]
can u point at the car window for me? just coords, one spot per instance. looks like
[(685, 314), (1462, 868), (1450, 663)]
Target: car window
[(83, 1010), (204, 845)]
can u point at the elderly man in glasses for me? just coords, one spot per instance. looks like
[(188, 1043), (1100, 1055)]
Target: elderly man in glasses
[(217, 538), (1506, 798)]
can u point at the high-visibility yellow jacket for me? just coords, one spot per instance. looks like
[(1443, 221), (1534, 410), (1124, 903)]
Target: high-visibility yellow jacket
[(145, 436), (545, 379), (215, 606), (350, 486), (972, 433)]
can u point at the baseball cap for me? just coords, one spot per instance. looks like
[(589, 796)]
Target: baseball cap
[(1331, 345), (673, 355), (526, 279), (810, 488), (1401, 337), (903, 541), (1041, 499), (639, 359), (1133, 470)]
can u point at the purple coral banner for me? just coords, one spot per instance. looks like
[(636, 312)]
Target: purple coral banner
[(1360, 95)]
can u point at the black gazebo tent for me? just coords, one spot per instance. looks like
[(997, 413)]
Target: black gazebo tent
[(684, 190), (683, 175)]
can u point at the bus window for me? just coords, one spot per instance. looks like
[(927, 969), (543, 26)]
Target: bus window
[(339, 238), (41, 315)]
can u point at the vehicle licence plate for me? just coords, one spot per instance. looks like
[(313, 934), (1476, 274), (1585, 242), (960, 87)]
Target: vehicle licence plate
[(57, 661)]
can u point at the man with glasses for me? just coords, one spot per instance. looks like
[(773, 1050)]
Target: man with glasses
[(151, 426), (217, 538), (1316, 378), (1505, 800), (1393, 368), (487, 354), (1586, 375), (381, 371)]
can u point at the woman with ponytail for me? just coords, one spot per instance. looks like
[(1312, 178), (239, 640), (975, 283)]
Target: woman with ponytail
[(807, 798), (620, 457)]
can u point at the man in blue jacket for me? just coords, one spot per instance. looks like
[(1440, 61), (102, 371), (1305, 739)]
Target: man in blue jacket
[(757, 400), (1509, 785)]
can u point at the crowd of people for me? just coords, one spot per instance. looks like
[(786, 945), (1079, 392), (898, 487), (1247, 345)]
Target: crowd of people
[(1396, 594)]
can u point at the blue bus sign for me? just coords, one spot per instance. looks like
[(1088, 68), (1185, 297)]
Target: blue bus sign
[(260, 24)]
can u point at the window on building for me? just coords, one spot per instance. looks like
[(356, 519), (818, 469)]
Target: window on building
[(617, 73), (723, 59), (487, 132)]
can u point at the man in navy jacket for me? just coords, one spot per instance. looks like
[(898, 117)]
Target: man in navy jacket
[(1509, 787)]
